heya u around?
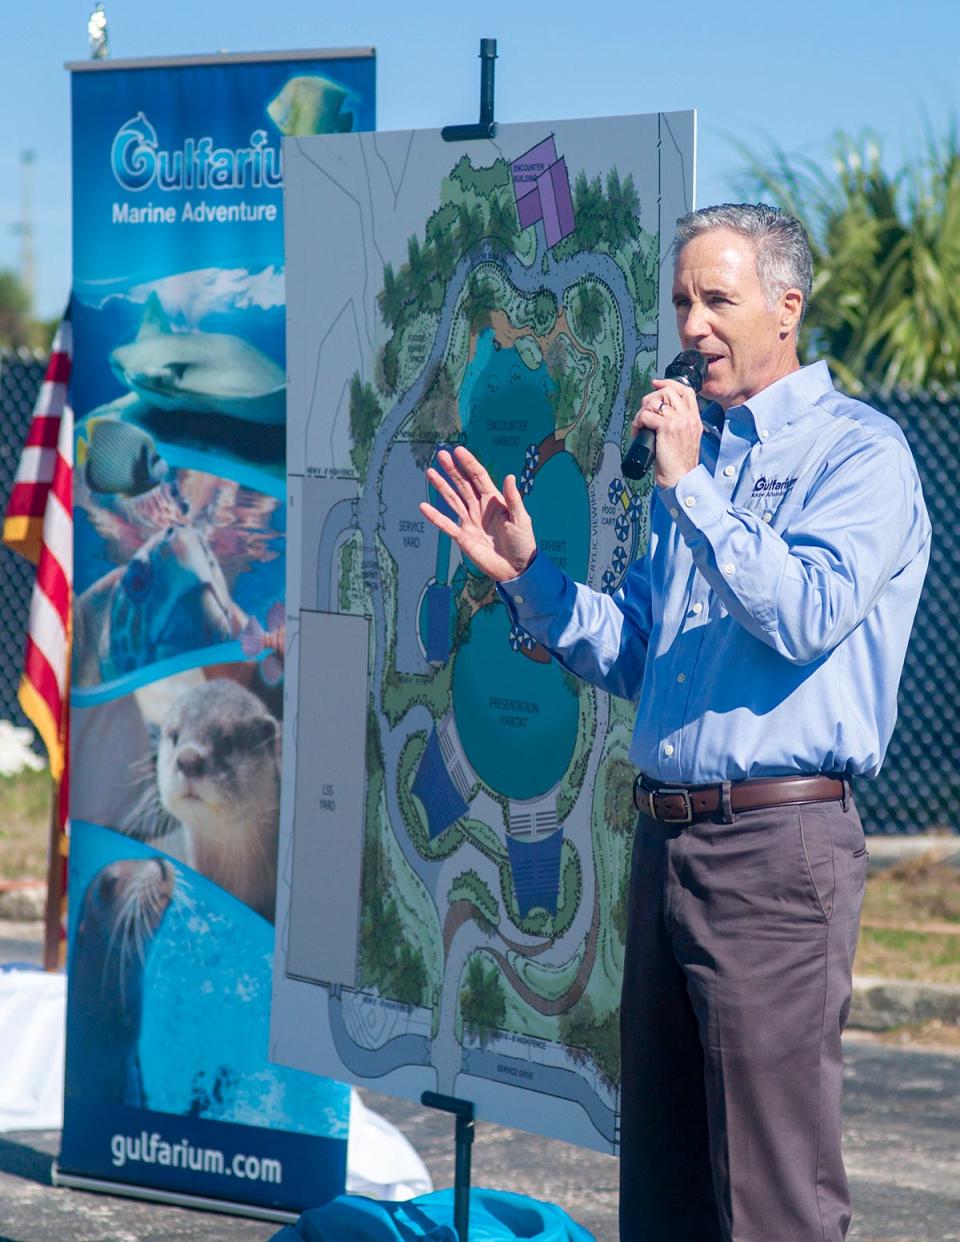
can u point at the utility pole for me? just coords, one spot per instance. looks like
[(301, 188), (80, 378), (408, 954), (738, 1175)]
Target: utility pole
[(24, 226)]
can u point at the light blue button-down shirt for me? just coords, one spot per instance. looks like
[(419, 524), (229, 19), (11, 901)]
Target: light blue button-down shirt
[(764, 631)]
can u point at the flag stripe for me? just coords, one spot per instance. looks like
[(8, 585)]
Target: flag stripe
[(58, 535), (48, 633), (36, 465), (37, 710), (55, 586), (44, 431), (38, 670), (38, 523), (58, 368)]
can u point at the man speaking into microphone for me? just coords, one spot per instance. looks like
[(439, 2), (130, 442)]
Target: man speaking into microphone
[(762, 638)]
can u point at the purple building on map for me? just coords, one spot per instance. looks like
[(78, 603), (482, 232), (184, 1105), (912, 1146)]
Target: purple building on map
[(542, 189)]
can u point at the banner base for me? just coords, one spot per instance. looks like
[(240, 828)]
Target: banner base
[(99, 1185)]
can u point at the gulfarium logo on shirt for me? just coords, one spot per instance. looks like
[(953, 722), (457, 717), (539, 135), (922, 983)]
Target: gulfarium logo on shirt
[(772, 487), (139, 163)]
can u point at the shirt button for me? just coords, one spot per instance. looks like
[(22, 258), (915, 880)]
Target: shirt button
[(681, 678), (690, 501), (674, 513), (668, 750), (518, 599), (697, 608), (729, 568), (764, 433), (729, 471), (768, 517)]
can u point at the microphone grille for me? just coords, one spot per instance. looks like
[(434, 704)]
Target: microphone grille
[(689, 365)]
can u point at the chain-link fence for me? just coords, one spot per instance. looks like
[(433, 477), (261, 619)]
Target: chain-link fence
[(919, 786), (21, 373)]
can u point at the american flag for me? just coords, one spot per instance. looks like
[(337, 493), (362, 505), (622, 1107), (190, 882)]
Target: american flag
[(39, 525)]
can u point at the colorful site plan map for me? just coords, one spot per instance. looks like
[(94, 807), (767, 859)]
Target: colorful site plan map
[(457, 813)]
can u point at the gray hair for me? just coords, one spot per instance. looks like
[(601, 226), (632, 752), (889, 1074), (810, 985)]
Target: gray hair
[(780, 242)]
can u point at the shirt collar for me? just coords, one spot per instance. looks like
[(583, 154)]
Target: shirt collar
[(779, 402)]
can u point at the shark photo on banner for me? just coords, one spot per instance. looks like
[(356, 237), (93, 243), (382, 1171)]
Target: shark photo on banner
[(179, 505)]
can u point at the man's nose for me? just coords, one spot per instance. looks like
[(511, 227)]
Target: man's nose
[(695, 325)]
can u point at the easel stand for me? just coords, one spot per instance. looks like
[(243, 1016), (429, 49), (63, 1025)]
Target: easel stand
[(463, 1110), (463, 1142), (486, 127)]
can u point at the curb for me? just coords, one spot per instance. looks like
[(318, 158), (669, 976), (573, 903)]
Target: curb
[(885, 851), (22, 901), (881, 1004)]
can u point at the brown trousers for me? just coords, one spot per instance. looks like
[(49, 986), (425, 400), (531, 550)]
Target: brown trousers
[(736, 988)]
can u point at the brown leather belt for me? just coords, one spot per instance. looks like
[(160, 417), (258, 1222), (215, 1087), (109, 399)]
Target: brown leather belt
[(682, 804)]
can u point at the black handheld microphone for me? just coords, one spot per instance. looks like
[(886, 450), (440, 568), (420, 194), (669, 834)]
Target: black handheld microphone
[(690, 368)]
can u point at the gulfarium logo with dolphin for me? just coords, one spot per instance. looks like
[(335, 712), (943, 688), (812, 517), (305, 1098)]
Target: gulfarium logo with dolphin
[(307, 104), (138, 161)]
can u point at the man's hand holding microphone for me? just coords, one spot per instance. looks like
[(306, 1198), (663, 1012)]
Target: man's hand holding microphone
[(667, 426)]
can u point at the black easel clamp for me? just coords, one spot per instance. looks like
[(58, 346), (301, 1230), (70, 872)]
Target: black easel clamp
[(487, 126), (463, 1111)]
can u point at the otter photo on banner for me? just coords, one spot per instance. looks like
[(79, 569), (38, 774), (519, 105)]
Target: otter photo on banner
[(196, 774)]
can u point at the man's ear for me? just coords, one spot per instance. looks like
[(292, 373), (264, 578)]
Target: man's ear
[(791, 309)]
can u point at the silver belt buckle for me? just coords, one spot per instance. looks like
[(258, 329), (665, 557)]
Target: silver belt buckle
[(668, 791)]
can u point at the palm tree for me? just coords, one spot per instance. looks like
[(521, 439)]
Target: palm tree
[(479, 300), (885, 309), (565, 395), (623, 208), (420, 267), (444, 253), (503, 227), (589, 312), (483, 1003), (588, 210), (469, 227), (391, 297)]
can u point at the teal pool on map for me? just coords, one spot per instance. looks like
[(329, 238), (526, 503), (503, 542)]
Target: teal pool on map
[(517, 719), (559, 507), (504, 407)]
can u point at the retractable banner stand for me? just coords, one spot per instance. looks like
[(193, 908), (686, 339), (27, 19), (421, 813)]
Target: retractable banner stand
[(179, 392)]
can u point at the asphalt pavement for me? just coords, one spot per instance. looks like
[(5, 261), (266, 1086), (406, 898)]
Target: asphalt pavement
[(902, 1152)]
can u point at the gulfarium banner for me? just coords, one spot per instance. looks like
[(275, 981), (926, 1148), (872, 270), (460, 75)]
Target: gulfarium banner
[(179, 628)]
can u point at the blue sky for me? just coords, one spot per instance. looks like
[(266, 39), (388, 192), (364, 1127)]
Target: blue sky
[(756, 72)]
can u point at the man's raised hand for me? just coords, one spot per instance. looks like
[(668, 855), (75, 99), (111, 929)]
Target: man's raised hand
[(493, 528)]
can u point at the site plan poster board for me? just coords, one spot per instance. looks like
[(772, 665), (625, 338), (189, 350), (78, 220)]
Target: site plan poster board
[(457, 812), (179, 391)]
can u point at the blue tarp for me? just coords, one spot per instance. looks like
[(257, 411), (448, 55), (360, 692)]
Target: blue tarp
[(495, 1216)]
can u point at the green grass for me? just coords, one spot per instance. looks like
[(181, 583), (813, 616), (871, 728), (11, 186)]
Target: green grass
[(895, 954), (916, 890), (24, 825), (909, 913)]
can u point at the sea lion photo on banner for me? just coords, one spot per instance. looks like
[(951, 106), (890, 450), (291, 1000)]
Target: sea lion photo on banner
[(121, 909)]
